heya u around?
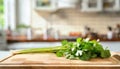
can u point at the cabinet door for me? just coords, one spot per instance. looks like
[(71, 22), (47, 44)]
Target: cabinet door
[(111, 5), (67, 3), (46, 5), (91, 5)]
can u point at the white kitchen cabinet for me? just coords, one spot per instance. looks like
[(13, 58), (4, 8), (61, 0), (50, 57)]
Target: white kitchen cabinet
[(45, 5), (111, 5), (52, 5), (67, 3), (100, 5), (86, 5), (91, 5)]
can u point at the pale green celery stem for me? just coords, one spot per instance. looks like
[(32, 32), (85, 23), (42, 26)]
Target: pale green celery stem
[(39, 50)]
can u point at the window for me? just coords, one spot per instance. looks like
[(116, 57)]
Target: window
[(16, 12), (1, 14), (10, 14)]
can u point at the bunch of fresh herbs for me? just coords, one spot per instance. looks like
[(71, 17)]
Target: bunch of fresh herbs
[(83, 49)]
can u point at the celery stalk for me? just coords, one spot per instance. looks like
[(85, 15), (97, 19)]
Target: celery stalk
[(39, 50)]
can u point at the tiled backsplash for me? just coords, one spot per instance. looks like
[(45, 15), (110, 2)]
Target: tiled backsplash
[(67, 20)]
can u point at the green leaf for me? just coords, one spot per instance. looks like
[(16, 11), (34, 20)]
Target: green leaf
[(85, 56), (94, 56), (98, 48), (64, 42), (88, 47), (1, 9), (105, 54), (1, 2), (72, 57), (20, 26), (60, 53), (79, 40)]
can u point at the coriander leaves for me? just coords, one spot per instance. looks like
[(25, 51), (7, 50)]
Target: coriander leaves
[(83, 49)]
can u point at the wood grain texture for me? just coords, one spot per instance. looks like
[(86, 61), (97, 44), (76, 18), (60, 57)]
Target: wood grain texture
[(38, 67), (51, 61)]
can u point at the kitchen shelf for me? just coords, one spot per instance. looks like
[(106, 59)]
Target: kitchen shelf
[(11, 39)]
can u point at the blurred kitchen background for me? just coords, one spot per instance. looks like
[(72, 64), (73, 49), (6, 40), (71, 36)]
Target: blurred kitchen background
[(43, 23)]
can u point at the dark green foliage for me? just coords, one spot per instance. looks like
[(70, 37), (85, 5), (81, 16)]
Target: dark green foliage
[(83, 49)]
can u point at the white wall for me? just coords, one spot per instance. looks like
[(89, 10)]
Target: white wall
[(74, 20), (10, 14), (17, 11)]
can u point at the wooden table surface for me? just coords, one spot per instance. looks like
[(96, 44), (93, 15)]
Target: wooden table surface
[(51, 61)]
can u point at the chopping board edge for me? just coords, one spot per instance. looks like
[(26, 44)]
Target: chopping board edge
[(115, 60)]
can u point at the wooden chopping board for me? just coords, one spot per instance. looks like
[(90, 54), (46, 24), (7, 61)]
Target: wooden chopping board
[(52, 59)]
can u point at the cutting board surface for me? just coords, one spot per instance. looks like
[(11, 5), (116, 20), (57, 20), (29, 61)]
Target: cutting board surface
[(51, 58)]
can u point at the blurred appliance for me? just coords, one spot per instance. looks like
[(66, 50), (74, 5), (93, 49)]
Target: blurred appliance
[(2, 40)]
